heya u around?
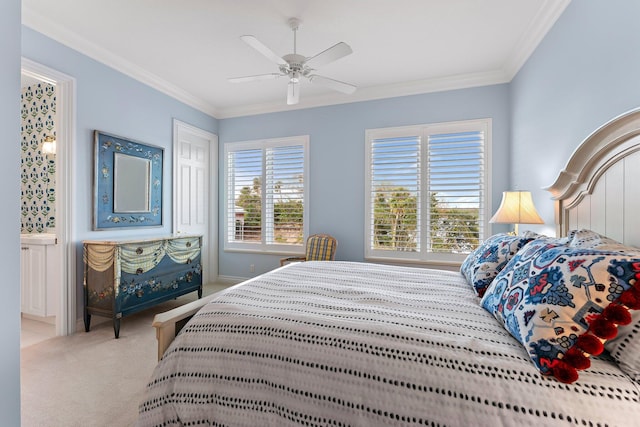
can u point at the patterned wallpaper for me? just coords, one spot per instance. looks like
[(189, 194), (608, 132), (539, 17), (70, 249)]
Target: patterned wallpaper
[(38, 170)]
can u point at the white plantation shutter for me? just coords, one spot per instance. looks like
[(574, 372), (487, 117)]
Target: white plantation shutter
[(265, 203), (244, 167), (395, 191), (456, 180), (427, 191), (285, 194)]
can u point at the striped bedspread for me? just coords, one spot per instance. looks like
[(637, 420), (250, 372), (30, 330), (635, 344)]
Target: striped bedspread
[(357, 344)]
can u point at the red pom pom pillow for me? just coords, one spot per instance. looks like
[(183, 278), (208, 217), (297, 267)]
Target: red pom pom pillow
[(625, 347), (563, 303)]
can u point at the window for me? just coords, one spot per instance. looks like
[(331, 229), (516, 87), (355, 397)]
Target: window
[(427, 191), (266, 196)]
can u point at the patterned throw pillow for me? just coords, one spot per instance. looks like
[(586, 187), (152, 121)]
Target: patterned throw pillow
[(484, 264), (562, 303), (625, 347), (588, 239)]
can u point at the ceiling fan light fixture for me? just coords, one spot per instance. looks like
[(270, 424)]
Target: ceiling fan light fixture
[(293, 92)]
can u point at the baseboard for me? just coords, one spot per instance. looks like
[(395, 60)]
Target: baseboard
[(51, 320), (231, 280)]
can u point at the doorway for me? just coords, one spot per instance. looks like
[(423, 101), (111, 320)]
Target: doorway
[(63, 304)]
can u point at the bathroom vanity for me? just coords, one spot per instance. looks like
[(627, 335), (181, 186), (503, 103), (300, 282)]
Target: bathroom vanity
[(38, 269)]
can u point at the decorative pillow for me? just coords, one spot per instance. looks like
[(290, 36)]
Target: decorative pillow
[(625, 347), (562, 303), (588, 239), (483, 264)]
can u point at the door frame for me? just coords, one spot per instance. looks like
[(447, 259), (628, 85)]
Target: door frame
[(65, 170), (211, 266)]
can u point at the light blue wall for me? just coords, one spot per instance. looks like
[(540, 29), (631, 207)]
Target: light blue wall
[(584, 73), (10, 214), (112, 102), (337, 150)]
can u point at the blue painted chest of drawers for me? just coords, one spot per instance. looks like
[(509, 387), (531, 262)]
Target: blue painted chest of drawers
[(124, 277)]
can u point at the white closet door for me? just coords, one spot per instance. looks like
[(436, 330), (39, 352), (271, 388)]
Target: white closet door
[(195, 195)]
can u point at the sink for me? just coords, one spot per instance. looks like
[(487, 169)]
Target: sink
[(38, 239)]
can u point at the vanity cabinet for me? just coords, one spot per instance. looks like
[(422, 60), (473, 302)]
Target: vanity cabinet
[(37, 275), (33, 261), (125, 277)]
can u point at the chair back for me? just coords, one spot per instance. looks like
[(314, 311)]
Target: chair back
[(321, 247)]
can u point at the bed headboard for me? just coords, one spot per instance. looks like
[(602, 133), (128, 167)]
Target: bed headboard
[(599, 188)]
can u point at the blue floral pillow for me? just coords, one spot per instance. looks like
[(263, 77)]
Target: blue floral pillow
[(562, 303), (484, 264)]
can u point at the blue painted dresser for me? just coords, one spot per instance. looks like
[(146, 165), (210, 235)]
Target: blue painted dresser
[(124, 277)]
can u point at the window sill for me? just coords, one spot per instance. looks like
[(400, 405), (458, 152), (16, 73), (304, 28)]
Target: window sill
[(263, 252)]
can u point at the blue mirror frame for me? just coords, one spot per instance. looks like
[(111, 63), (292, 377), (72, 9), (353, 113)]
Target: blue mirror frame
[(104, 217)]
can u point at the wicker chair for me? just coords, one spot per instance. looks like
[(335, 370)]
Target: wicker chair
[(320, 247)]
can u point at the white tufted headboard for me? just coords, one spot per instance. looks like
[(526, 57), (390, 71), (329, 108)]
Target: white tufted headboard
[(599, 188)]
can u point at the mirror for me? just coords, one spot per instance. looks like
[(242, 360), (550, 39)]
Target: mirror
[(131, 180), (127, 183)]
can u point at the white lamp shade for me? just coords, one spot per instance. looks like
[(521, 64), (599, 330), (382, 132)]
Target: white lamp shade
[(516, 208)]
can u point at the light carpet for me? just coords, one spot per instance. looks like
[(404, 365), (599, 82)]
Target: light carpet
[(92, 379)]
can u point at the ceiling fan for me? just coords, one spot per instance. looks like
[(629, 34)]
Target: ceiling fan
[(295, 66)]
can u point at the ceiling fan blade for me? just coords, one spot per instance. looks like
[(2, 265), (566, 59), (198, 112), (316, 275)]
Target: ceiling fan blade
[(257, 45), (333, 84), (293, 92), (334, 53), (255, 78)]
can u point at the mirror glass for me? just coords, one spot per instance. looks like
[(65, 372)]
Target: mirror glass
[(131, 184)]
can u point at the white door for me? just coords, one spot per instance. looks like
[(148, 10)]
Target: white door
[(195, 190)]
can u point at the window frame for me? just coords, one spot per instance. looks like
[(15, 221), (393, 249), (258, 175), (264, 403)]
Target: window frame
[(263, 246), (423, 132)]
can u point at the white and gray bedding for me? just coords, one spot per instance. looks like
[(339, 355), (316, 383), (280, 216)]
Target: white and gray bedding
[(346, 344)]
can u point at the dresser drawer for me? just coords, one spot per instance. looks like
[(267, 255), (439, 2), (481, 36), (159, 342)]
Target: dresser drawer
[(167, 279), (185, 243)]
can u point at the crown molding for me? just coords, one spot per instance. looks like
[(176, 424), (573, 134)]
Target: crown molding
[(538, 28), (548, 14), (535, 33), (417, 87), (60, 34)]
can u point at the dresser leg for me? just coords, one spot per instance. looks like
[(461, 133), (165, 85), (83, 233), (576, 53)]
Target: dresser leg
[(87, 321), (200, 292), (116, 327)]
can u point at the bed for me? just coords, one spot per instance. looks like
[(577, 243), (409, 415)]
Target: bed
[(344, 343)]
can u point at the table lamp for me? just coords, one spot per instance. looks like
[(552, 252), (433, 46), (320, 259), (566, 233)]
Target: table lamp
[(516, 208)]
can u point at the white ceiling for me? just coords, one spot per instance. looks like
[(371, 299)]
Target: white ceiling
[(189, 48)]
